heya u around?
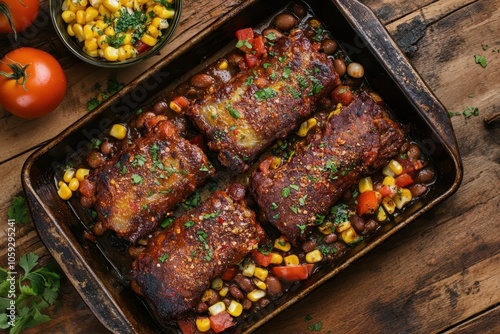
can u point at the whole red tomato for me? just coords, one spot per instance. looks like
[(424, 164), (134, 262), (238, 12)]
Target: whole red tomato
[(32, 83), (17, 15)]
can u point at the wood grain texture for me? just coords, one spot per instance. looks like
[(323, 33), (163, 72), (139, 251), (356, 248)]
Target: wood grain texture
[(440, 274)]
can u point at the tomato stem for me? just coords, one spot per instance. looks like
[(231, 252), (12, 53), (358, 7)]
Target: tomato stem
[(4, 9), (18, 73)]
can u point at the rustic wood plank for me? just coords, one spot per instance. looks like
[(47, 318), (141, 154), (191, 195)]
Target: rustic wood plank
[(439, 273), (486, 323)]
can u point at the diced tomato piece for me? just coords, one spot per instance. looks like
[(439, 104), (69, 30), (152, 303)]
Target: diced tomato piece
[(220, 322), (261, 259), (229, 273), (342, 94), (141, 47), (368, 202), (388, 191), (294, 272), (245, 34), (187, 326), (258, 46), (197, 140), (403, 180), (266, 164), (251, 60)]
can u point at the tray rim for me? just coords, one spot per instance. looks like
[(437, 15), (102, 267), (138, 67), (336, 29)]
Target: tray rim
[(345, 6)]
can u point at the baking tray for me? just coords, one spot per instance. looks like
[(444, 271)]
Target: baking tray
[(89, 267)]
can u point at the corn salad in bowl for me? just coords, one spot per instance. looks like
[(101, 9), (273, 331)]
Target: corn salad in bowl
[(115, 33)]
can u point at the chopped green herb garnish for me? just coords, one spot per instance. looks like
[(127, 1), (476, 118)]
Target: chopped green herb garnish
[(18, 210), (285, 192), (481, 60), (233, 112), (163, 258), (302, 228), (294, 187), (265, 93), (136, 179), (167, 222), (294, 209), (274, 206), (189, 223)]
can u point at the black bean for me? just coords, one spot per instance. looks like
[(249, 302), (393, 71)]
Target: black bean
[(86, 202), (417, 189), (274, 288), (236, 293), (339, 66), (214, 298), (308, 246), (141, 119), (357, 223), (201, 80), (135, 287), (234, 59), (107, 147), (243, 282), (160, 107), (226, 301), (264, 302), (299, 10), (370, 226), (425, 175), (285, 21), (247, 304), (95, 159), (330, 238), (201, 308), (236, 191), (98, 229), (329, 46), (271, 34), (414, 152)]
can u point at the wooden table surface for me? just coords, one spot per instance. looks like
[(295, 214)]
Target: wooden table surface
[(439, 274)]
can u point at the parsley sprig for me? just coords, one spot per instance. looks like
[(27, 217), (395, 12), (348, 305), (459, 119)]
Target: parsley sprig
[(35, 291)]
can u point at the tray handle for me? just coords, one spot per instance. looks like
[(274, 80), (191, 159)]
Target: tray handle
[(377, 38)]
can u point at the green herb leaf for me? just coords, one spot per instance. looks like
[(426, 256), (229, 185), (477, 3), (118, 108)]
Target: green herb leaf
[(136, 179), (285, 192), (163, 258), (18, 210), (189, 224), (265, 94), (316, 327), (167, 222), (481, 60)]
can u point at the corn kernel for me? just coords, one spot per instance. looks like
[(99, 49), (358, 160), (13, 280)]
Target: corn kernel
[(82, 3), (314, 23), (256, 294), (112, 5), (60, 183), (223, 65), (65, 5), (64, 192), (80, 16), (395, 167), (68, 175), (68, 16), (149, 40), (217, 283), (175, 107), (275, 163), (248, 270), (306, 126), (110, 31), (70, 31), (74, 184), (90, 14), (389, 181), (282, 244), (130, 50), (96, 3), (314, 256), (217, 308), (261, 273), (153, 31), (387, 171), (365, 184), (122, 54), (381, 215), (326, 228), (78, 31), (127, 39), (343, 226), (223, 292), (111, 54), (258, 283), (292, 260), (235, 309), (203, 324), (90, 44), (102, 41), (402, 198), (350, 236), (101, 25), (163, 12), (118, 131), (81, 173), (104, 11), (389, 205), (276, 258), (87, 32)]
